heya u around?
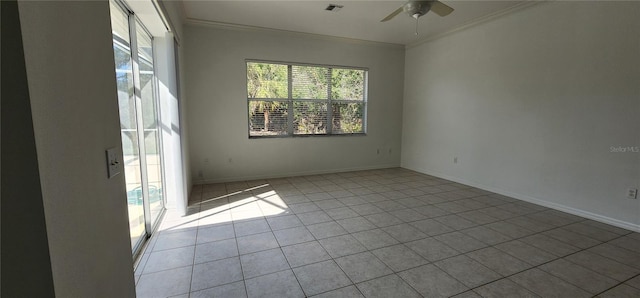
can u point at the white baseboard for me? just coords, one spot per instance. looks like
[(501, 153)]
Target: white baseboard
[(294, 174), (537, 201)]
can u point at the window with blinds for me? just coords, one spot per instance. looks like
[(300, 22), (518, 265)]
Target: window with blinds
[(286, 99)]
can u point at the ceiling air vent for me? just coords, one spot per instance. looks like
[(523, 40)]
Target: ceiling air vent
[(334, 7)]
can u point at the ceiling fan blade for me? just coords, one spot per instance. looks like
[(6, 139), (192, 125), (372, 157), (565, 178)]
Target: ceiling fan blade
[(391, 15), (440, 8)]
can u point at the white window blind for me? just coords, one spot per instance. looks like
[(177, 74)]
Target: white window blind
[(286, 99)]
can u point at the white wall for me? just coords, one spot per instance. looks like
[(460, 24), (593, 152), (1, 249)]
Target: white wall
[(174, 13), (217, 112), (70, 71), (531, 103), (169, 121)]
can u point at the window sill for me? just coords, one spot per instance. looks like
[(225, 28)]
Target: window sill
[(360, 134)]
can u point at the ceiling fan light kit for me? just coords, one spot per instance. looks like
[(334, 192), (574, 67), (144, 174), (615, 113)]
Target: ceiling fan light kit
[(416, 9)]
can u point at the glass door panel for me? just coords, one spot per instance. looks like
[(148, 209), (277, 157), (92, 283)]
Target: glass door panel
[(139, 123), (150, 124), (128, 124)]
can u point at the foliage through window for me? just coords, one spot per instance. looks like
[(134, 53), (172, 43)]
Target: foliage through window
[(294, 99)]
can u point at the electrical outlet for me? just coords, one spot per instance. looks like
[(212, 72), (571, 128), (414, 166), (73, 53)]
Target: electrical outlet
[(632, 193)]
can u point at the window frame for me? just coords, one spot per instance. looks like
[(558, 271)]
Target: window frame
[(290, 100), (134, 23)]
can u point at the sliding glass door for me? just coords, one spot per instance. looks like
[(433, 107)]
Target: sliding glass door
[(137, 99), (150, 123)]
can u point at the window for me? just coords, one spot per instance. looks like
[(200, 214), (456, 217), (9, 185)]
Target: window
[(287, 99)]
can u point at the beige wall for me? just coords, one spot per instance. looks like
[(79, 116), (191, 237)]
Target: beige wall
[(531, 104), (217, 111), (70, 71)]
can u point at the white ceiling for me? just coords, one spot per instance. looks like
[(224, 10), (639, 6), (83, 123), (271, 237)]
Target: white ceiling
[(358, 19)]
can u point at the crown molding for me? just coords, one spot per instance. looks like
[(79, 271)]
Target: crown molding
[(478, 21), (248, 28), (464, 26)]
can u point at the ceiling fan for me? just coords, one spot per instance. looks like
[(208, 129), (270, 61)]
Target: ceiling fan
[(417, 9)]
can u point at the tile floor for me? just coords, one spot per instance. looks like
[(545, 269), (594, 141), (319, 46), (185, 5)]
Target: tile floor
[(381, 233)]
